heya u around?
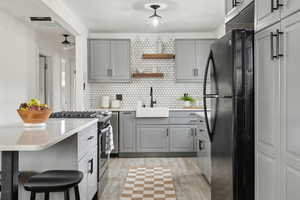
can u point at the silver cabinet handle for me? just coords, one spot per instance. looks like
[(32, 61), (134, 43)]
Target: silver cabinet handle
[(90, 138), (195, 72), (195, 131), (91, 162), (109, 72), (193, 121), (277, 6), (272, 35), (167, 132), (277, 37), (193, 114)]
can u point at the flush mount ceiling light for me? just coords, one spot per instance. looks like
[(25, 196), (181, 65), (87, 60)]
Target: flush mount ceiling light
[(155, 19), (66, 43)]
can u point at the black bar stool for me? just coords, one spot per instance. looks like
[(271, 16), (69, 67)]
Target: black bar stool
[(54, 181)]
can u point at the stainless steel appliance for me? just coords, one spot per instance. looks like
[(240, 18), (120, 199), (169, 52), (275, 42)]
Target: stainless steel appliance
[(104, 119), (231, 124), (115, 125)]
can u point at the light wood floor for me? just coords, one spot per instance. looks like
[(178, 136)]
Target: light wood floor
[(189, 183)]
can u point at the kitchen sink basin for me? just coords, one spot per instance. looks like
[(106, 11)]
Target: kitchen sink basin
[(161, 112)]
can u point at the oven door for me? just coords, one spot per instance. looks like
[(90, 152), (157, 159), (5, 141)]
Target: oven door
[(103, 156)]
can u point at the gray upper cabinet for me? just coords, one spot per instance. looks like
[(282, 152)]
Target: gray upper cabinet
[(109, 60), (99, 60), (120, 64), (191, 57), (267, 12), (153, 138), (182, 138), (127, 132), (234, 7)]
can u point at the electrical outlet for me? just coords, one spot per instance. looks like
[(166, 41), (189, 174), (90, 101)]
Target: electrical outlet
[(119, 97)]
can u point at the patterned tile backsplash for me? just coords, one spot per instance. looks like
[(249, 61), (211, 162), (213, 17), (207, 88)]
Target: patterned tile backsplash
[(166, 90)]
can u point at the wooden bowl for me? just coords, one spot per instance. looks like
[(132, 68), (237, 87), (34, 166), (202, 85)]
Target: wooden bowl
[(34, 116)]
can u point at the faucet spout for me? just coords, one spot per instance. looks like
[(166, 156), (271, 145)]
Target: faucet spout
[(152, 102)]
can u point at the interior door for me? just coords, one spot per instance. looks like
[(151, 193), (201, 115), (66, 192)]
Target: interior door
[(267, 129), (290, 98)]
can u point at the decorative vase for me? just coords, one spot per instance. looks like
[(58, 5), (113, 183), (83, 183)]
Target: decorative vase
[(187, 104)]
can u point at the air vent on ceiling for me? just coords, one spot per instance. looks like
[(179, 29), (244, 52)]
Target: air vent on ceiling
[(43, 21), (40, 19)]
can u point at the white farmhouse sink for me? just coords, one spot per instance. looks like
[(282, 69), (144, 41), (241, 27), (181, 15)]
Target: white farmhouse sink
[(152, 112)]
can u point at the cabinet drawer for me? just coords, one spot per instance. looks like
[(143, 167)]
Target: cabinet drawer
[(182, 120), (189, 114), (152, 121), (87, 138)]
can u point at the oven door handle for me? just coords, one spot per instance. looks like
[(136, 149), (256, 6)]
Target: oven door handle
[(105, 130)]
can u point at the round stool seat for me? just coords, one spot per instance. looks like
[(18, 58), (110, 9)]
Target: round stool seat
[(55, 180)]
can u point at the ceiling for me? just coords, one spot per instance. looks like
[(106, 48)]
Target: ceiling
[(32, 8), (130, 16)]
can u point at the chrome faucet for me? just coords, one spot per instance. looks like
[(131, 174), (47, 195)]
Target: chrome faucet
[(152, 101)]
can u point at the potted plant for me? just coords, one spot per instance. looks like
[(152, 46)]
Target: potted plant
[(187, 100)]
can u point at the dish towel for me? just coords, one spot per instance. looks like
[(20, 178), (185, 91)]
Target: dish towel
[(110, 139)]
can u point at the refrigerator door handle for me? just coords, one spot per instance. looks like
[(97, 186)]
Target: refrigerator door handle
[(207, 96)]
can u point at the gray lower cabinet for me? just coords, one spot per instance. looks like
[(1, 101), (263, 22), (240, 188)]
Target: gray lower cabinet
[(182, 138), (152, 138), (108, 60), (127, 132)]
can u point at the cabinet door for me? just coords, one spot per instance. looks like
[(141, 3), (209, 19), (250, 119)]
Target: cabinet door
[(267, 12), (229, 5), (185, 60), (152, 138), (182, 138), (99, 60), (267, 133), (290, 98), (120, 63), (83, 185), (92, 173), (127, 132), (202, 53), (290, 6)]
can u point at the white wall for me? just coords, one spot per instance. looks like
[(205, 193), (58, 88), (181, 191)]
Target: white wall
[(17, 62), (19, 50)]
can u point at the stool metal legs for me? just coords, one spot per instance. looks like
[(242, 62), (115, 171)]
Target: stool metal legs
[(77, 195), (67, 195), (32, 196), (47, 195)]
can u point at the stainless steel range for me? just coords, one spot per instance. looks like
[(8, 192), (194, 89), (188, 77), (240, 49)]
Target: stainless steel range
[(104, 119)]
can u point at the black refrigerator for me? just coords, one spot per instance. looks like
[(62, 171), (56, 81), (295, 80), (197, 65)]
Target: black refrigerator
[(229, 111)]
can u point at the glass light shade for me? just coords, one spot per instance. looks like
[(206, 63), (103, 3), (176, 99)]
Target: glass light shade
[(155, 20)]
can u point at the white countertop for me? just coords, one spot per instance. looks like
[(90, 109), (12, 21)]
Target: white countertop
[(134, 109), (19, 138), (202, 115)]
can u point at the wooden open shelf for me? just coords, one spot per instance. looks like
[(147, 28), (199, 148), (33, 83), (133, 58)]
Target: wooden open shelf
[(147, 75), (159, 56)]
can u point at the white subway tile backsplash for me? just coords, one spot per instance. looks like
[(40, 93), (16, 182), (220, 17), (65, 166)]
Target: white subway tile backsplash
[(166, 90)]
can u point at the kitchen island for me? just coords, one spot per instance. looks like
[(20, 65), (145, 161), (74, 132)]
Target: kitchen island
[(62, 144)]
